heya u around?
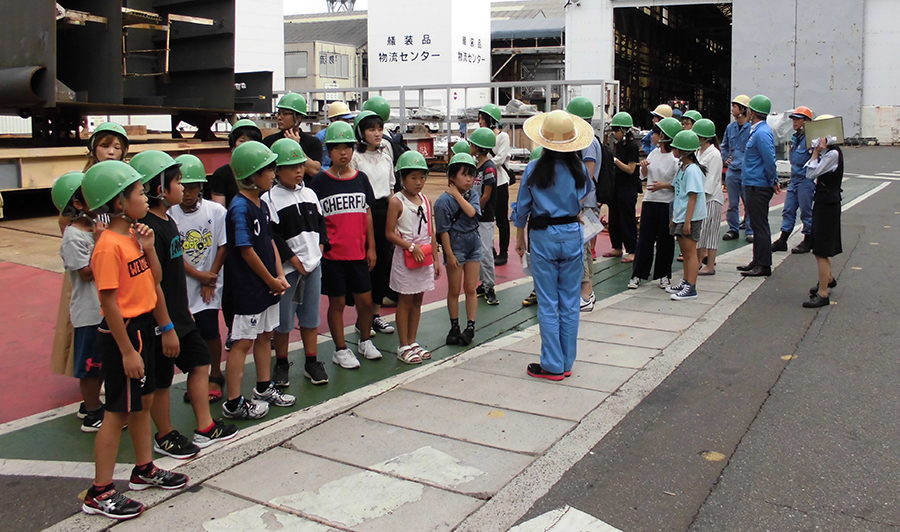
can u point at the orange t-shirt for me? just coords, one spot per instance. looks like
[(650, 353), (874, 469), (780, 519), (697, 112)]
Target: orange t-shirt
[(119, 264)]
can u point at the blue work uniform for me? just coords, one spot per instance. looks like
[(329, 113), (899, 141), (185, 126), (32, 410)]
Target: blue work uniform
[(734, 142), (647, 143), (556, 261), (759, 178), (801, 190), (326, 159)]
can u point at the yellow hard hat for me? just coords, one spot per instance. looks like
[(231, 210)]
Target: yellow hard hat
[(662, 111), (742, 99), (339, 110)]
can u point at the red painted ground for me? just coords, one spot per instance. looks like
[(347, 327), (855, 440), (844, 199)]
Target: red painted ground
[(31, 296)]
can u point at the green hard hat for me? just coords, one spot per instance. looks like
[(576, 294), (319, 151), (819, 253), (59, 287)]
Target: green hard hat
[(380, 106), (151, 163), (622, 119), (461, 147), (64, 188), (245, 122), (109, 127), (686, 141), (340, 133), (359, 118), (483, 137), (192, 169), (412, 160), (704, 128), (581, 107), (105, 180), (670, 126), (693, 115), (294, 102), (492, 111), (760, 104), (289, 152), (249, 158), (463, 158), (536, 153)]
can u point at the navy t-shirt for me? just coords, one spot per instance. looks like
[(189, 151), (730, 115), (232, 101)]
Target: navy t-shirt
[(248, 225), (486, 176), (169, 250)]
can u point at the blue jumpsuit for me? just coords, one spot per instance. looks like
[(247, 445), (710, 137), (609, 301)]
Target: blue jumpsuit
[(557, 255), (734, 143), (801, 190)]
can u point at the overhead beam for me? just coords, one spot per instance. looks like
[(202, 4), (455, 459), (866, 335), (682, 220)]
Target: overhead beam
[(530, 50), (654, 3)]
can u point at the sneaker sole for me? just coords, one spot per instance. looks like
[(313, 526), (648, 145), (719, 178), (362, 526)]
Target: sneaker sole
[(159, 450), (383, 331), (141, 487), (547, 377), (90, 430), (214, 441), (493, 303), (313, 381), (284, 384), (676, 297), (94, 511), (373, 357), (356, 366), (279, 403)]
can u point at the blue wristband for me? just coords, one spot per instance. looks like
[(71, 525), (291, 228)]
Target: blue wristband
[(165, 328)]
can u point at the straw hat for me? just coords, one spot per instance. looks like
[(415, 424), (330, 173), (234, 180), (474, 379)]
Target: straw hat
[(559, 131)]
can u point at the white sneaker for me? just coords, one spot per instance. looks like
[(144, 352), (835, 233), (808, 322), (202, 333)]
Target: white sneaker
[(345, 359), (664, 282), (368, 350), (587, 305), (634, 283)]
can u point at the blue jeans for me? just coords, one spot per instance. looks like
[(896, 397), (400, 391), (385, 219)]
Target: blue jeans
[(557, 264), (735, 195), (799, 194)]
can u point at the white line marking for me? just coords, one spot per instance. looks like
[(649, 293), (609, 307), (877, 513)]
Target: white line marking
[(565, 519), (877, 177), (859, 199)]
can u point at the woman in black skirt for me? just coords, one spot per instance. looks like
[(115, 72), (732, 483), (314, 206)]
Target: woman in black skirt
[(826, 166)]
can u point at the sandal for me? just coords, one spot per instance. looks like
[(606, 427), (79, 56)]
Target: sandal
[(613, 253), (409, 355), (422, 352), (214, 395)]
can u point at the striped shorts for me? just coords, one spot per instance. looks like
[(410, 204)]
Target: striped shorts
[(709, 233)]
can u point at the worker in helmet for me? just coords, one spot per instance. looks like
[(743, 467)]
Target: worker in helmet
[(289, 110), (734, 142), (337, 111), (801, 190)]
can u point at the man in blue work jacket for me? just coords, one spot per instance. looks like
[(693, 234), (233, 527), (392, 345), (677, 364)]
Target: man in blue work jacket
[(734, 142), (760, 181), (801, 190)]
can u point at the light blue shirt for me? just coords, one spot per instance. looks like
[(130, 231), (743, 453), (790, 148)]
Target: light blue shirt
[(759, 159), (592, 154), (800, 155), (734, 142), (647, 142), (686, 181), (326, 159), (557, 201)]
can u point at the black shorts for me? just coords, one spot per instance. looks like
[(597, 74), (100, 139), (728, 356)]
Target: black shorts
[(124, 394), (341, 276), (208, 323), (194, 352)]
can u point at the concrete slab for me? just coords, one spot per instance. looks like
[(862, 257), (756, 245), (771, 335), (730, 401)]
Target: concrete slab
[(705, 297), (533, 396), (503, 429), (644, 320), (596, 352), (715, 284), (369, 444), (662, 306), (344, 496), (214, 511), (619, 334), (565, 519), (584, 374)]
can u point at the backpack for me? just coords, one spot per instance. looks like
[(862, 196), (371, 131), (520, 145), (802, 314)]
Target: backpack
[(607, 178)]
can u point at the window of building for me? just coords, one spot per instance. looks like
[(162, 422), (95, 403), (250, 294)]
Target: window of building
[(332, 65), (296, 64)]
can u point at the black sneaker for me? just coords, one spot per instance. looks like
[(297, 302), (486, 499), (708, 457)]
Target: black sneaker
[(228, 342), (491, 297), (93, 421), (381, 325), (280, 375), (479, 290), (454, 337), (530, 300), (315, 372), (730, 235), (219, 432), (157, 478), (175, 445), (82, 411), (501, 260), (111, 504), (467, 335)]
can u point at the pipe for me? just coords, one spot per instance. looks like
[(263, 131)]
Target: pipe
[(20, 85)]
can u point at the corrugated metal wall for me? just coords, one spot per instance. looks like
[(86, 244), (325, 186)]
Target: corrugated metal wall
[(13, 125)]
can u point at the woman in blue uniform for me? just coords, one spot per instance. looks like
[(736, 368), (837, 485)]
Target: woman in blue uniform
[(549, 202)]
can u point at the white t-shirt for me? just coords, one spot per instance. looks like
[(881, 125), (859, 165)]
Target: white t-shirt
[(663, 167), (76, 249), (202, 233), (711, 159), (379, 166)]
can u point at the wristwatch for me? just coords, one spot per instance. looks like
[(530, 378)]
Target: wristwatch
[(412, 247)]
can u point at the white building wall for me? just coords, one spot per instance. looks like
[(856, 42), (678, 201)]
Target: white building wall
[(590, 44), (881, 77), (259, 38)]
